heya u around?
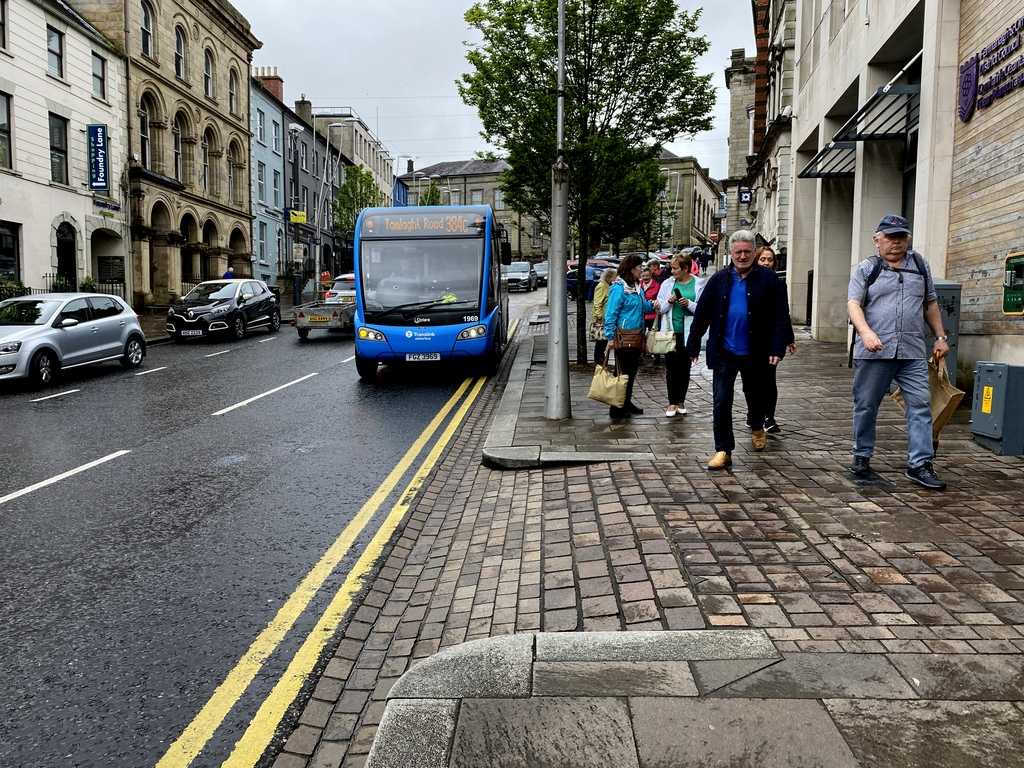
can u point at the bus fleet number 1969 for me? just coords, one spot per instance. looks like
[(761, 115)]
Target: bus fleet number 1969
[(470, 318)]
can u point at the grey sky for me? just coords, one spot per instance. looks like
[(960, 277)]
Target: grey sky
[(395, 62)]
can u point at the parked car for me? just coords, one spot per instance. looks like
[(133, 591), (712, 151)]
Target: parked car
[(593, 275), (541, 268), (598, 264), (521, 276), (44, 333), (224, 306)]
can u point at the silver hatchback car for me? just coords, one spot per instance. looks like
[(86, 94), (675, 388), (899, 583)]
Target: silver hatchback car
[(46, 332)]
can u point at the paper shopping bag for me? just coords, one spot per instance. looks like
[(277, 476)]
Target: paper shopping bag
[(945, 397)]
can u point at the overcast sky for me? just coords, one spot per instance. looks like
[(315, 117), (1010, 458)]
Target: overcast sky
[(395, 62)]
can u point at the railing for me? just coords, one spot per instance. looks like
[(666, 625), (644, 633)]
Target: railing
[(188, 285), (12, 291)]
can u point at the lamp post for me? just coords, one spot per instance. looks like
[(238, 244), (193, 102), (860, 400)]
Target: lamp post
[(320, 208), (417, 178), (294, 129)]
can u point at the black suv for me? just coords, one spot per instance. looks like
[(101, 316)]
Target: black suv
[(224, 306)]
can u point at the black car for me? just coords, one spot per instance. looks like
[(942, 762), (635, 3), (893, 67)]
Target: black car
[(541, 268), (521, 276), (224, 306)]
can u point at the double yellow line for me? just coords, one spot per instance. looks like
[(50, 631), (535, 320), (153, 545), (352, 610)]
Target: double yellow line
[(261, 730)]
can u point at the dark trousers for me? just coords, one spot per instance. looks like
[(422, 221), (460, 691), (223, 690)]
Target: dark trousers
[(677, 372), (771, 392), (599, 349), (629, 364), (723, 387)]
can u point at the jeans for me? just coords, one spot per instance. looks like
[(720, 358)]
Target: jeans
[(677, 372), (870, 384), (723, 388)]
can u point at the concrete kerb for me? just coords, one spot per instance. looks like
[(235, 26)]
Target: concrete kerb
[(420, 719)]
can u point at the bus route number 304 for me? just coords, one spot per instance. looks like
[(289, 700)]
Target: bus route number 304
[(471, 318)]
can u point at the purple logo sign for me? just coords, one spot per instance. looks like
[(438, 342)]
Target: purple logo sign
[(968, 89)]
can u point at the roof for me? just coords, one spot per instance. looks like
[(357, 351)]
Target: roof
[(475, 167)]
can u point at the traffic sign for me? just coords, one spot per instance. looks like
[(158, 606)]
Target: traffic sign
[(713, 235), (297, 217)]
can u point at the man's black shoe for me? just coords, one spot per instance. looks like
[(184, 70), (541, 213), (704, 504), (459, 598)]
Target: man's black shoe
[(618, 413), (633, 409), (925, 475), (771, 426), (861, 465)]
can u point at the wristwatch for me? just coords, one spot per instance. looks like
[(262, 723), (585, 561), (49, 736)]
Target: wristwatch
[(940, 338)]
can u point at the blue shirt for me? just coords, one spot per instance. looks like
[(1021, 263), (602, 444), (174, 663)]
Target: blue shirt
[(737, 329)]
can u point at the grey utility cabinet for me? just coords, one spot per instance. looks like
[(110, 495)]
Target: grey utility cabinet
[(948, 294), (997, 412)]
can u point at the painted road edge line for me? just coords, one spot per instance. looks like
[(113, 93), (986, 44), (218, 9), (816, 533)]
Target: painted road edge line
[(257, 736), (152, 370), (61, 476), (59, 394), (244, 403), (193, 739)]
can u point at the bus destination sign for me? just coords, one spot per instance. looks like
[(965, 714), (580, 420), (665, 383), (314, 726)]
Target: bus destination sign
[(422, 224)]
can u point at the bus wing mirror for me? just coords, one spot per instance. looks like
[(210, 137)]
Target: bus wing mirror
[(506, 253)]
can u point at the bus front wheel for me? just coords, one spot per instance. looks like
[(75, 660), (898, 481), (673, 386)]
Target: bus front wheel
[(367, 369)]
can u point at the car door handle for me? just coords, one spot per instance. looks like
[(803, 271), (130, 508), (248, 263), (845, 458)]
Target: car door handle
[(94, 329)]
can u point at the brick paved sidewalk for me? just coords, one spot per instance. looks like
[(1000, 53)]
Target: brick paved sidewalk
[(787, 542)]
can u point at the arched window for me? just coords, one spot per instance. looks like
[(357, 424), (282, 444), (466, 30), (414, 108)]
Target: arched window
[(231, 173), (145, 156), (207, 147), (179, 169), (233, 93), (179, 52), (147, 28), (208, 74)]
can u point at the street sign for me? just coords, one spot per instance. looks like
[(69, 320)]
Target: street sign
[(297, 217)]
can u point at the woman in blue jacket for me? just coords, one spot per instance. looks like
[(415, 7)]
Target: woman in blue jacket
[(626, 308)]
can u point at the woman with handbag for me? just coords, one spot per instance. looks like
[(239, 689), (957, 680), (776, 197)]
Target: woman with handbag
[(678, 299), (597, 317), (649, 287), (624, 326), (766, 258)]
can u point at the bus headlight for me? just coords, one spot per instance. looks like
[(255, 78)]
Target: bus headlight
[(368, 334), (476, 332)]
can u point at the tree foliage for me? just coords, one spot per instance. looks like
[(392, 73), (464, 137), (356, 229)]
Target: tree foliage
[(359, 190), (630, 86), (431, 195)]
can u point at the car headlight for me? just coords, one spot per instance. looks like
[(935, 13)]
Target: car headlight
[(218, 311), (476, 332), (368, 334), (10, 347)]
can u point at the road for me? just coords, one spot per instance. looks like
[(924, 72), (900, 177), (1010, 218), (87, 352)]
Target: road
[(132, 589)]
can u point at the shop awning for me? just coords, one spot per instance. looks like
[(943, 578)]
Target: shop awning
[(892, 112), (835, 160)]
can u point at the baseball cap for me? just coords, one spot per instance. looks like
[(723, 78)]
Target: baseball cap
[(893, 225)]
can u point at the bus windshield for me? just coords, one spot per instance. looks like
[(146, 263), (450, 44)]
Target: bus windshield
[(420, 275)]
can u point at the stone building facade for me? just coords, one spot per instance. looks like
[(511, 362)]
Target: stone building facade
[(188, 138)]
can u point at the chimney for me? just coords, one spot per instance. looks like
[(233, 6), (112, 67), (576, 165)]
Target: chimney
[(304, 109), (409, 166), (271, 81)]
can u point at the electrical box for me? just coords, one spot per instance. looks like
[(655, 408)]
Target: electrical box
[(948, 294), (997, 420)]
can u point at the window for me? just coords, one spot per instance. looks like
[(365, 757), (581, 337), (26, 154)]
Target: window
[(6, 161), (179, 52), (455, 197), (280, 246), (277, 189), (476, 197), (206, 162), (291, 193), (233, 92), (176, 134), (261, 242), (413, 198), (231, 174), (276, 131), (261, 182), (305, 201), (535, 236), (58, 149), (261, 126), (99, 76), (9, 266), (144, 145), (302, 154), (3, 23), (54, 52), (104, 307), (499, 200), (147, 29), (208, 74)]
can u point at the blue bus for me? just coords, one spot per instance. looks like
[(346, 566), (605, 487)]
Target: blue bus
[(429, 286)]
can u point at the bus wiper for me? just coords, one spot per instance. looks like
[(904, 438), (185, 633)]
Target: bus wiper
[(415, 306)]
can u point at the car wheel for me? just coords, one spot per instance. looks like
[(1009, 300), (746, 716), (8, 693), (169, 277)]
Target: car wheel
[(275, 321), (238, 327), (44, 367), (303, 333), (367, 369), (134, 351)]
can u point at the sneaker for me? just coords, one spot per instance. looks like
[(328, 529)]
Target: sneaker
[(720, 460), (925, 475), (861, 465), (771, 426), (671, 411), (759, 439)]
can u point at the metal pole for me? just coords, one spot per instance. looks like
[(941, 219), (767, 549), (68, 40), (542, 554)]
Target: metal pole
[(558, 404)]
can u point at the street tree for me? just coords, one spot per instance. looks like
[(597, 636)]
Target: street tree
[(630, 86), (431, 195), (359, 190)]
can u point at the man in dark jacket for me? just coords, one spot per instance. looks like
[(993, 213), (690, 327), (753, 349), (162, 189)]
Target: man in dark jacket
[(746, 316)]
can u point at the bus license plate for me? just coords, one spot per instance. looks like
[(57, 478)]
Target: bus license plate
[(418, 357), (319, 319)]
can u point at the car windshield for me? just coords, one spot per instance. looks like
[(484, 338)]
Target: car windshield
[(211, 291), (519, 266), (27, 311), (540, 267), (420, 274)]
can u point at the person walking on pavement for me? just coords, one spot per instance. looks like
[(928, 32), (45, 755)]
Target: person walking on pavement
[(678, 298), (597, 316), (889, 314), (229, 275), (766, 258), (745, 315), (626, 308)]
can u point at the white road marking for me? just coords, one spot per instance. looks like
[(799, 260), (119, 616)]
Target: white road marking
[(50, 397), (152, 370), (224, 352), (257, 397), (58, 478), (270, 338), (349, 359)]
